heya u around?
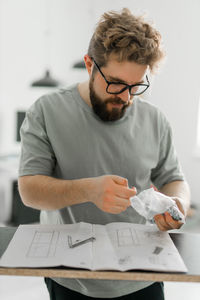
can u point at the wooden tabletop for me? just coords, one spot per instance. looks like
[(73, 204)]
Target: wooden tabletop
[(188, 245)]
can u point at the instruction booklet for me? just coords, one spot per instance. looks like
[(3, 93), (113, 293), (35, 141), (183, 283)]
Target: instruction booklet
[(115, 246)]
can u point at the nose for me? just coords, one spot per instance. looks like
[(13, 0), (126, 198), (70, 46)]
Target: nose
[(125, 95)]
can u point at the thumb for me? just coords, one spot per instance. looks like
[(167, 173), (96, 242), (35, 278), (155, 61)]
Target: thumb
[(134, 189), (154, 187), (119, 180)]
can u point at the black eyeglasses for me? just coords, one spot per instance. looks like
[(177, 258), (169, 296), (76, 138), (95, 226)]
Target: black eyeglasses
[(119, 87)]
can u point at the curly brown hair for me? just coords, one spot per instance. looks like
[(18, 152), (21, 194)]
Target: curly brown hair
[(128, 37)]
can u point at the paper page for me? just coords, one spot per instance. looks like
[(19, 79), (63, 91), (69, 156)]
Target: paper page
[(118, 246), (48, 245), (143, 247), (104, 257)]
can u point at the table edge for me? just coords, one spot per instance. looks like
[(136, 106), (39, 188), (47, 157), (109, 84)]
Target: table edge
[(109, 275)]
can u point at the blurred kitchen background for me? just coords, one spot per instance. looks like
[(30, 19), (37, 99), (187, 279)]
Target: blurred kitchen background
[(42, 42)]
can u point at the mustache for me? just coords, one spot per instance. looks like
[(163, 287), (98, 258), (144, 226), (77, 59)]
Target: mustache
[(116, 101)]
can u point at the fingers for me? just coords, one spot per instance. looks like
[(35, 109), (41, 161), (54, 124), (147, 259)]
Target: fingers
[(179, 204), (154, 187), (124, 192), (114, 194), (166, 222), (160, 222), (114, 209), (120, 180), (116, 205), (122, 197)]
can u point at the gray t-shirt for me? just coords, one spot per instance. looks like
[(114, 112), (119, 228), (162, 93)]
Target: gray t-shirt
[(62, 137)]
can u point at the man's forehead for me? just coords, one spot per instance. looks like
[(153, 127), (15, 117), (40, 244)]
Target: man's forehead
[(125, 71)]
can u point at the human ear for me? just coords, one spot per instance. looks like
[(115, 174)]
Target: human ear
[(88, 63)]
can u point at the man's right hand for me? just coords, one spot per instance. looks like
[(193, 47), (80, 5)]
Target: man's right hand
[(111, 193)]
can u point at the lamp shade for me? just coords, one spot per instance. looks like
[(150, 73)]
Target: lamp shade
[(46, 81), (79, 65)]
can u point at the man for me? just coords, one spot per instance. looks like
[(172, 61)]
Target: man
[(87, 149)]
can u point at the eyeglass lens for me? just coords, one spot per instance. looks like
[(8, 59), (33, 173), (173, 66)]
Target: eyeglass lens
[(117, 88)]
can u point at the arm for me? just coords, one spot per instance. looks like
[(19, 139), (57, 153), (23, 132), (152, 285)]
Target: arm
[(180, 192), (109, 193)]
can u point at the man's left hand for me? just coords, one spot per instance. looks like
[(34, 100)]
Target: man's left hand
[(166, 222)]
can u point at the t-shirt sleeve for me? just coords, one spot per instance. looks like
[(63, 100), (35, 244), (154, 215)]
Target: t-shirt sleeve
[(37, 155), (168, 168)]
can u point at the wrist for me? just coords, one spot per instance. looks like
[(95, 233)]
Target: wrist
[(77, 191)]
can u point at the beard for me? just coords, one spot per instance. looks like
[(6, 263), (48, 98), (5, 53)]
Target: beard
[(100, 106)]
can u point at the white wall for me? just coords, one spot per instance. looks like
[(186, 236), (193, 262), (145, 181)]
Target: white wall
[(36, 34), (23, 57)]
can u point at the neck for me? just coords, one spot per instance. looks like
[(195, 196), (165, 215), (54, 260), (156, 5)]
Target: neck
[(83, 89)]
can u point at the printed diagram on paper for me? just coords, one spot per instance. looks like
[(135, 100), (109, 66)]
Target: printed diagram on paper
[(44, 244), (114, 246), (128, 237), (132, 237), (141, 247)]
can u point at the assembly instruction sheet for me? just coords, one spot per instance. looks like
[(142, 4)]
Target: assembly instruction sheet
[(115, 246)]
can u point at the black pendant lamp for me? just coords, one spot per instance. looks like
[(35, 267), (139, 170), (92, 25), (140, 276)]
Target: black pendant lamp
[(79, 65), (46, 81)]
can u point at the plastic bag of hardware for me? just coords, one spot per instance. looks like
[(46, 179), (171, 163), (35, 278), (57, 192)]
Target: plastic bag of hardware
[(149, 203)]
